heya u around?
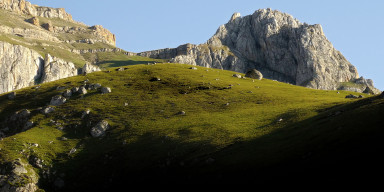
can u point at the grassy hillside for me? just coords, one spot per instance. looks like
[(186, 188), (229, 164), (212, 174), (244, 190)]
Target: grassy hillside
[(232, 128), (65, 42)]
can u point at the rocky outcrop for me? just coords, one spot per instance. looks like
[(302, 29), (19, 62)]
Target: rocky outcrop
[(25, 7), (19, 67), (56, 68), (88, 68), (103, 33), (274, 43), (29, 33), (18, 176), (22, 67)]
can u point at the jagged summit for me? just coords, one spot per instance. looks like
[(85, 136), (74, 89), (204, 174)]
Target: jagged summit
[(275, 43), (235, 16)]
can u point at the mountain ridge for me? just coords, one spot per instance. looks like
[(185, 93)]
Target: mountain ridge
[(275, 43)]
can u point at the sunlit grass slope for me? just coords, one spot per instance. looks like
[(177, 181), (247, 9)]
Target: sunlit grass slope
[(230, 125)]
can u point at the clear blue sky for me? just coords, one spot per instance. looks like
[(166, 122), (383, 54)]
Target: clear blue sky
[(355, 28)]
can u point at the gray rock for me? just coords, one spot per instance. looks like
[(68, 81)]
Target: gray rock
[(237, 75), (155, 79), (181, 113), (58, 100), (89, 68), (85, 113), (47, 110), (82, 90), (105, 90), (96, 86), (75, 89), (67, 93), (352, 96), (28, 125), (371, 90), (99, 129), (278, 45), (193, 68), (254, 74)]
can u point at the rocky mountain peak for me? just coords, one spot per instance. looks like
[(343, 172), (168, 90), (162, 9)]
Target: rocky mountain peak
[(276, 44), (235, 16)]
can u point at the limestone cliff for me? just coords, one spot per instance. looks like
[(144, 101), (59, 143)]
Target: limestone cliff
[(53, 30), (19, 67), (276, 44), (22, 67), (25, 7), (56, 68)]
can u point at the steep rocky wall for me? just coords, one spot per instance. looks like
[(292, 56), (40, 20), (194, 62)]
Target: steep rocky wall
[(22, 67), (19, 67), (56, 68), (25, 7), (276, 44)]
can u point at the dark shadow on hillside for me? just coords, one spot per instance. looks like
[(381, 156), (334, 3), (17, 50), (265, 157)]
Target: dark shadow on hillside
[(324, 150)]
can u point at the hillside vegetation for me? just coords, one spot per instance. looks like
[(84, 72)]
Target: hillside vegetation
[(187, 125)]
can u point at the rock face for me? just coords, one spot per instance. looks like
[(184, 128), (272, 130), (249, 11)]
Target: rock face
[(274, 43), (19, 67), (98, 30), (25, 7), (22, 67), (55, 69)]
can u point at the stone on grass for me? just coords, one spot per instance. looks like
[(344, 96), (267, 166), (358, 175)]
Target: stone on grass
[(155, 79), (254, 74), (181, 113), (82, 90), (351, 96), (75, 89), (105, 90), (95, 86), (85, 113), (193, 68), (58, 100), (67, 93), (237, 75), (99, 129), (47, 110)]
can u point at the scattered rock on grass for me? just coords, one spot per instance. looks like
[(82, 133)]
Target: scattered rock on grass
[(237, 75), (47, 110), (75, 89), (351, 96), (105, 90), (85, 113), (181, 113), (67, 93), (155, 79), (58, 100), (82, 90), (193, 68), (99, 129)]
